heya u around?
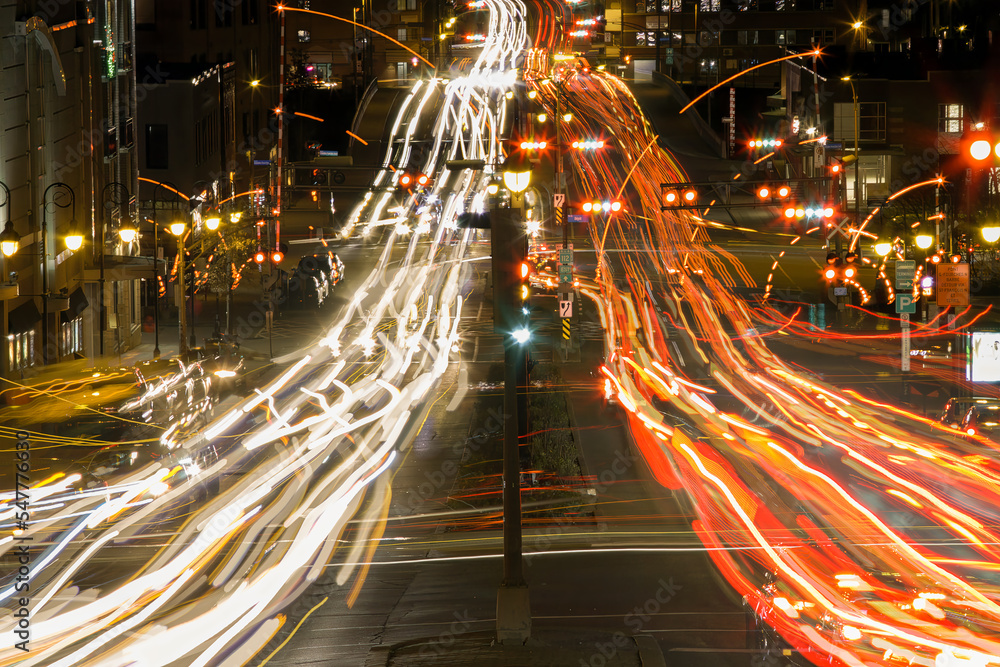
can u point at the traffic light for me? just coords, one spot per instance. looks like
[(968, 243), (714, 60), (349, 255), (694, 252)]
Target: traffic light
[(597, 207), (588, 145), (533, 145), (524, 289), (408, 180), (764, 144), (771, 192), (277, 256), (850, 270), (259, 257), (318, 177), (982, 147), (812, 211), (832, 271), (684, 197), (315, 195)]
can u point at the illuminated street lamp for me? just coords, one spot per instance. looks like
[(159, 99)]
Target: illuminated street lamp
[(9, 240), (178, 229), (883, 248), (213, 223), (924, 241), (516, 174), (991, 234), (74, 240), (127, 232)]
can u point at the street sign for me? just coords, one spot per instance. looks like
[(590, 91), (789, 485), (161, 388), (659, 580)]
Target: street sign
[(834, 146), (566, 328), (952, 284), (576, 218), (840, 291), (558, 200), (906, 269), (566, 256), (565, 273), (261, 163), (905, 304), (565, 309), (838, 228)]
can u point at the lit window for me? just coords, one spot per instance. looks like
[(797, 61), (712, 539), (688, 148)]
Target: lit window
[(21, 350), (304, 35), (950, 118)]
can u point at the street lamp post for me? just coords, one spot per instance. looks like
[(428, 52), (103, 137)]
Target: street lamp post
[(857, 157), (513, 607), (156, 273), (112, 192), (45, 260), (179, 229)]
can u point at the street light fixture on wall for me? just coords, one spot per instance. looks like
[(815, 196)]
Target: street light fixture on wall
[(10, 240), (45, 259)]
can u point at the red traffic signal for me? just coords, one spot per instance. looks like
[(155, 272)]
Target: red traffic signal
[(981, 146), (408, 180), (277, 256), (850, 266)]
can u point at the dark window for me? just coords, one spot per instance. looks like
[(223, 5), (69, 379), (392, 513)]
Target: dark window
[(145, 13), (198, 11), (223, 13), (156, 146)]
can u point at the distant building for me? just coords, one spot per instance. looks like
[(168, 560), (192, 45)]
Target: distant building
[(242, 39)]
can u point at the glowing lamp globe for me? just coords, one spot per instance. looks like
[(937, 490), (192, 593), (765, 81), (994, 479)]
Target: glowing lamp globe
[(991, 234), (980, 149), (127, 234), (882, 248), (74, 241), (924, 241), (213, 223), (516, 174), (177, 228), (10, 240)]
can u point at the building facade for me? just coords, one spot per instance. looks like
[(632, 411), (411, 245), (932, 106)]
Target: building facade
[(68, 167)]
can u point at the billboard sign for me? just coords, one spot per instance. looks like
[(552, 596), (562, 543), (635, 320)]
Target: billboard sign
[(984, 357)]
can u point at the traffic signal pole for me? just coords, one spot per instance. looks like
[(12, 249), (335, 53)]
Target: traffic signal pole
[(509, 251)]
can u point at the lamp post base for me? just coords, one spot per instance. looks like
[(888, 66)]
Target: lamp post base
[(513, 615)]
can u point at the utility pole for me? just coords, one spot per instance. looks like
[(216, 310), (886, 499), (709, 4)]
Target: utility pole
[(513, 604)]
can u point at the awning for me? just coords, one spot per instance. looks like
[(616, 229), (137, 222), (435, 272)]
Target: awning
[(77, 304), (23, 318)]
